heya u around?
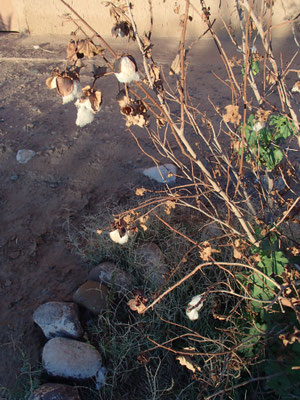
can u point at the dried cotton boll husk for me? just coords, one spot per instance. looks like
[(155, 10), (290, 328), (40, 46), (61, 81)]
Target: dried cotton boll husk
[(296, 87), (85, 113), (75, 93), (51, 82), (194, 306)]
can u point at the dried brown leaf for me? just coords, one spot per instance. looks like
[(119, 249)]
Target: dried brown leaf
[(219, 317), (187, 362), (232, 114), (270, 78), (290, 338), (206, 252), (262, 115), (175, 66), (140, 191), (88, 49), (169, 206), (142, 221)]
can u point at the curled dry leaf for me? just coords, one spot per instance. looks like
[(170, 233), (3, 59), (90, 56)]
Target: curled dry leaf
[(147, 45), (187, 362), (262, 115), (169, 206), (156, 76), (175, 66), (290, 338), (232, 114), (160, 122), (237, 249), (140, 191), (270, 78), (207, 251), (82, 47), (138, 303), (142, 221)]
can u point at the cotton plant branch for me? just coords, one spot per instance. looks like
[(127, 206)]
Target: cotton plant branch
[(201, 266), (281, 85)]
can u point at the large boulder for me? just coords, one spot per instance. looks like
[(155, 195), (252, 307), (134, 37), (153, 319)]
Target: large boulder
[(68, 358), (108, 273), (55, 391), (92, 295), (58, 319)]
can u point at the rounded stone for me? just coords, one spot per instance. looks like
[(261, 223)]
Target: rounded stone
[(152, 263), (55, 391), (108, 273), (92, 295), (58, 319), (68, 358)]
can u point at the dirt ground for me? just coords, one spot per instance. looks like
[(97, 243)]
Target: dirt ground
[(73, 171)]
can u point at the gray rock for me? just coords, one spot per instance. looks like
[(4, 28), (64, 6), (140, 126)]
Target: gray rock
[(108, 273), (68, 358), (152, 262), (55, 391), (92, 295), (163, 173), (23, 156), (58, 319), (211, 231)]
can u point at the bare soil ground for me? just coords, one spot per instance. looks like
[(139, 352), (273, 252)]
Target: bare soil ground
[(74, 171)]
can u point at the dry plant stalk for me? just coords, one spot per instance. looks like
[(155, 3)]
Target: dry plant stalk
[(224, 184)]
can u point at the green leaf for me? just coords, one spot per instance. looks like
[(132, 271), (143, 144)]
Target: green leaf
[(255, 68)]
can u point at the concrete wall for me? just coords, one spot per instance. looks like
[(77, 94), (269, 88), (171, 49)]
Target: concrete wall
[(48, 16)]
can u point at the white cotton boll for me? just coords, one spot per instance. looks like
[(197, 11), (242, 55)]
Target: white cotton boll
[(115, 237), (194, 306), (85, 113), (128, 73), (76, 93), (258, 126)]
